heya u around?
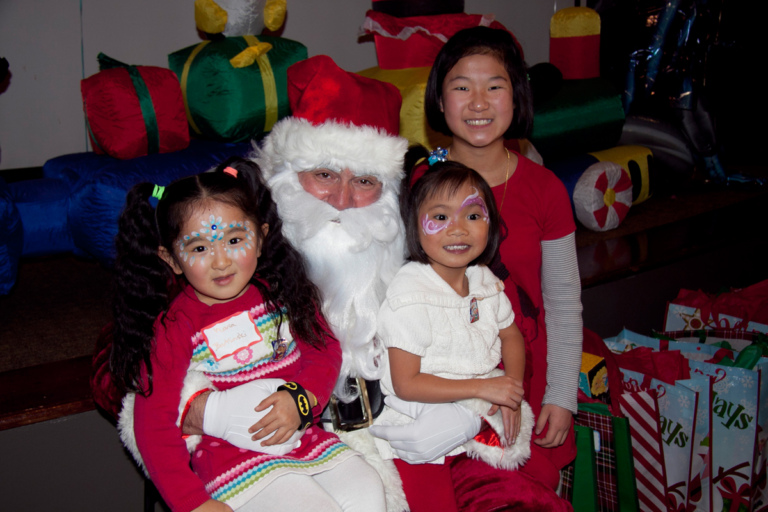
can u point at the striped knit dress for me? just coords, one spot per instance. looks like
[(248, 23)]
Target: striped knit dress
[(230, 343)]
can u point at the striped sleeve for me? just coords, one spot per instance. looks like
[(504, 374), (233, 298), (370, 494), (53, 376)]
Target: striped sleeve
[(561, 289)]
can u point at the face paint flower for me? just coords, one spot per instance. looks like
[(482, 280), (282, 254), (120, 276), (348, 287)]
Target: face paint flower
[(219, 259)]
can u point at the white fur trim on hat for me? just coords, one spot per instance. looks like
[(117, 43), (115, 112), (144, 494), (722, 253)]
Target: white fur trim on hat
[(510, 457), (296, 145)]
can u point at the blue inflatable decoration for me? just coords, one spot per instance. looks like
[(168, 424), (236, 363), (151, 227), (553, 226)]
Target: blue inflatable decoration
[(43, 205), (100, 187), (11, 239)]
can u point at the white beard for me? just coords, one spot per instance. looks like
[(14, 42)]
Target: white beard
[(352, 255)]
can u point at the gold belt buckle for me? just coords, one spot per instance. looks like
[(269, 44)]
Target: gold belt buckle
[(365, 405)]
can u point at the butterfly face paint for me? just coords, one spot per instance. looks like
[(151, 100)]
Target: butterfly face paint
[(476, 199), (430, 226), (454, 231)]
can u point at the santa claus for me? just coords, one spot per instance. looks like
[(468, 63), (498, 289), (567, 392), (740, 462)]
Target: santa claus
[(335, 168)]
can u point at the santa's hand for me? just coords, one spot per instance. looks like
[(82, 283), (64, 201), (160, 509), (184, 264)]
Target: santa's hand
[(229, 414), (436, 430)]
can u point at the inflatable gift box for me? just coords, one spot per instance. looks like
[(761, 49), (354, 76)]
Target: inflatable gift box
[(235, 88), (415, 41), (133, 111)]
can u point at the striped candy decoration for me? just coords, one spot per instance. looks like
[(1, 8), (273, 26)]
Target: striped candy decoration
[(602, 196), (643, 414)]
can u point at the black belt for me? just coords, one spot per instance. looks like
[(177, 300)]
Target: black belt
[(360, 412)]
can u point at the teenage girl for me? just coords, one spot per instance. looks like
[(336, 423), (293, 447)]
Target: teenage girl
[(478, 93), (246, 311)]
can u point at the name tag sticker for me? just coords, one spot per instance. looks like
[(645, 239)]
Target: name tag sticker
[(234, 334)]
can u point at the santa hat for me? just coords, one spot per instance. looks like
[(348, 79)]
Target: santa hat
[(339, 120)]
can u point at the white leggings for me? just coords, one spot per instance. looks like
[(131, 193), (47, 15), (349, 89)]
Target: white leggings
[(351, 486)]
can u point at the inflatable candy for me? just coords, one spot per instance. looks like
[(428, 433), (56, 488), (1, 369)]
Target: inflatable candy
[(601, 192), (603, 196), (638, 161)]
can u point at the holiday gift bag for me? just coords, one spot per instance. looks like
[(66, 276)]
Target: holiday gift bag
[(677, 414), (647, 355), (614, 467), (642, 412), (236, 88), (733, 339), (699, 486), (745, 309), (738, 435), (627, 340), (583, 483)]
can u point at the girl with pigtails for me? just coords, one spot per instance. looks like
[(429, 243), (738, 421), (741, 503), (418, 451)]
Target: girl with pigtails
[(209, 291)]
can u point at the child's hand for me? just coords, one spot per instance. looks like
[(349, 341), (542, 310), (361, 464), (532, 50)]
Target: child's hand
[(283, 419), (511, 421), (213, 506), (503, 391)]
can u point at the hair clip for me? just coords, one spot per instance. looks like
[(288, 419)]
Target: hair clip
[(231, 171), (158, 191), (157, 194), (438, 155)]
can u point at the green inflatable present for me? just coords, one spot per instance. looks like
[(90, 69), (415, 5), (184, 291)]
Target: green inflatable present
[(235, 88)]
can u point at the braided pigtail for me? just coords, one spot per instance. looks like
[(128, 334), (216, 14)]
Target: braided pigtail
[(141, 291)]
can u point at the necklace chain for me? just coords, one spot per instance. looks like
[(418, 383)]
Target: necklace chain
[(506, 175), (506, 179)]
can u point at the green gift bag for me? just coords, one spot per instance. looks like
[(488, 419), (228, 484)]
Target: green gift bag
[(584, 484), (614, 468), (235, 88)]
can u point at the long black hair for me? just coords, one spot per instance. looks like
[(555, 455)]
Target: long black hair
[(481, 41), (145, 284)]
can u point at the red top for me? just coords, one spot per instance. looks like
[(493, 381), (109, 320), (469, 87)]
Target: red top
[(159, 438)]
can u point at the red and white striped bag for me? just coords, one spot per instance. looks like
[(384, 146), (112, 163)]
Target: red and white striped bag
[(641, 409)]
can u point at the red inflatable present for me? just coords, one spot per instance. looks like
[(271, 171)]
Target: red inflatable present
[(415, 41), (134, 111)]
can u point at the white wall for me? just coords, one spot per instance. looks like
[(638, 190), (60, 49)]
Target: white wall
[(52, 44)]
